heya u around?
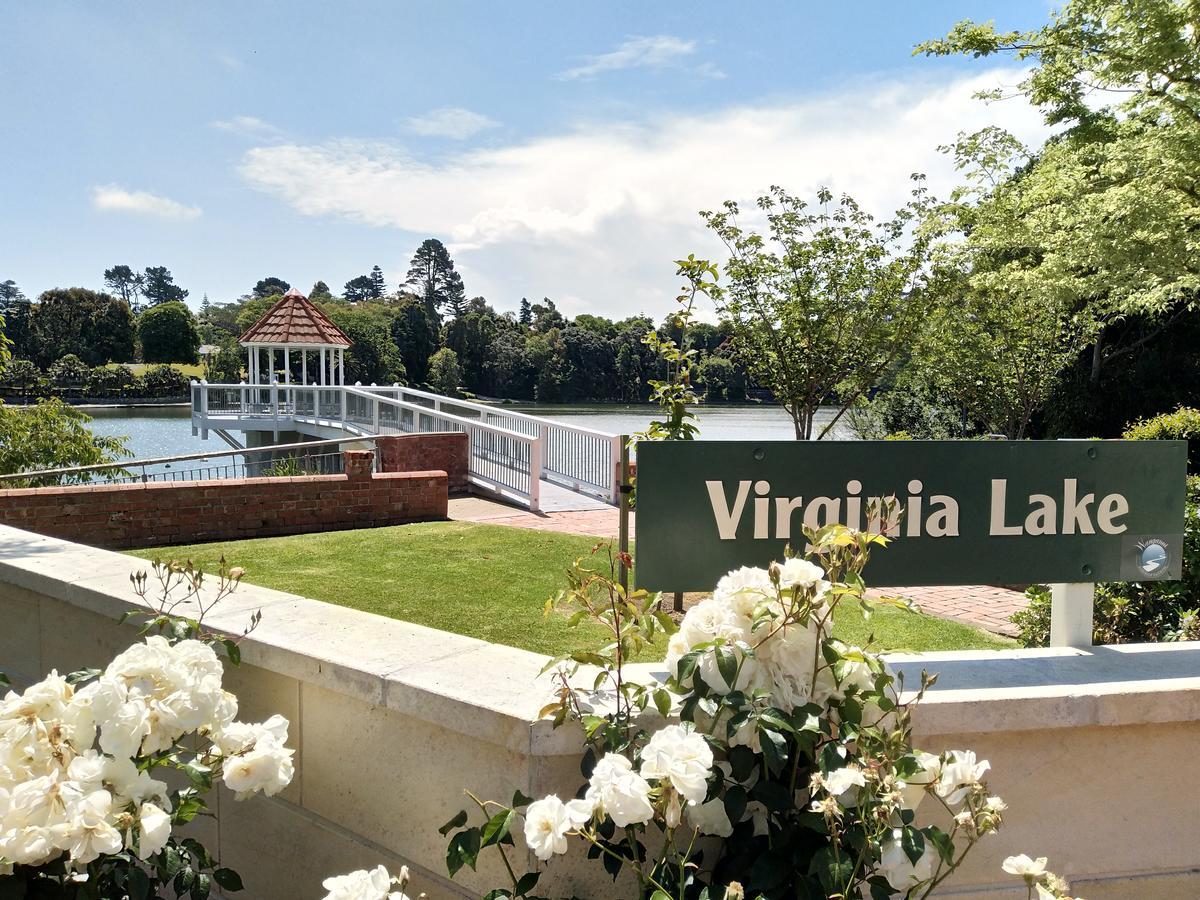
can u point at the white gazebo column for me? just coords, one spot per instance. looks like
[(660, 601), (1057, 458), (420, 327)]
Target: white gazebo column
[(304, 367), (341, 366)]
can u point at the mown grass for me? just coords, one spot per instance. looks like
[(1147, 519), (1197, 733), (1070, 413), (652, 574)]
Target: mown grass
[(487, 581)]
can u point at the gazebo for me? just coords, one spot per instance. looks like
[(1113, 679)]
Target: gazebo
[(294, 323)]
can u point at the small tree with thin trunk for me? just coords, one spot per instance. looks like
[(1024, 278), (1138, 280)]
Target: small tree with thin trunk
[(823, 305)]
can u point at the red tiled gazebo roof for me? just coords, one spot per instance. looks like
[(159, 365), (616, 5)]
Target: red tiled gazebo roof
[(295, 320)]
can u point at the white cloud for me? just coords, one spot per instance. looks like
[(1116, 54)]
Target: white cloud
[(114, 198), (592, 217), (248, 126), (635, 53), (450, 122)]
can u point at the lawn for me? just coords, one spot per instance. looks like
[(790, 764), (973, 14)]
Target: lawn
[(485, 581), (191, 370)]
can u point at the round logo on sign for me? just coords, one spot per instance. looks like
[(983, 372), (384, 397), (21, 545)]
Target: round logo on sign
[(1153, 557)]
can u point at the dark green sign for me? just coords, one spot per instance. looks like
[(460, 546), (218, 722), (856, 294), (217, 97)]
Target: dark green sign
[(970, 512)]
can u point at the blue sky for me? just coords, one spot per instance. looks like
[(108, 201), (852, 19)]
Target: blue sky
[(560, 149)]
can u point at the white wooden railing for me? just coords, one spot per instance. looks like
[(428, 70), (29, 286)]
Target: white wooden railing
[(510, 453)]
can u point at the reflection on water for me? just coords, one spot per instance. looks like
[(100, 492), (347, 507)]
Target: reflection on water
[(155, 431)]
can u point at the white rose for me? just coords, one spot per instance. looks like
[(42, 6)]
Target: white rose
[(682, 757), (799, 573), (268, 767), (960, 772), (547, 822), (130, 785), (844, 783), (88, 834), (915, 786), (744, 589), (155, 826), (901, 872), (619, 792), (710, 818), (361, 885), (1022, 865)]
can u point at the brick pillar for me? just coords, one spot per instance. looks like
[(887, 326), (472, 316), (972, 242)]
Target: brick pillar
[(358, 463)]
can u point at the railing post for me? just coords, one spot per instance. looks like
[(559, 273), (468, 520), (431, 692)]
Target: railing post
[(1071, 609), (275, 400), (203, 409), (620, 459), (623, 488), (242, 392), (375, 417), (544, 447), (342, 390), (535, 474)]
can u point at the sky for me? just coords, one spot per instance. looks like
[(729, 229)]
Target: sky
[(560, 150)]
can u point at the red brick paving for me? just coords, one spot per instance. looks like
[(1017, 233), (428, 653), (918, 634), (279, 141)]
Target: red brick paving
[(980, 605)]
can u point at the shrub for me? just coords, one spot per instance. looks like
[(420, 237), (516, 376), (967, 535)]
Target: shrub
[(445, 374), (791, 771), (22, 374), (164, 381), (1182, 425), (69, 371), (168, 334), (1130, 612), (111, 381)]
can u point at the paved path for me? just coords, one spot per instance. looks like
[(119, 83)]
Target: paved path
[(982, 606)]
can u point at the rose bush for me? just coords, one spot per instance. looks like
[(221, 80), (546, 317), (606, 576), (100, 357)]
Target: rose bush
[(82, 815), (790, 772)]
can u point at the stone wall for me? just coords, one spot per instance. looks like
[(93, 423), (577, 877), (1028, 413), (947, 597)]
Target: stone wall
[(125, 516), (444, 450), (391, 721)]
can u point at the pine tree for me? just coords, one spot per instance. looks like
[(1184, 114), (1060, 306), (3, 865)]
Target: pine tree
[(321, 291), (160, 286), (378, 285), (125, 283), (526, 316), (432, 275)]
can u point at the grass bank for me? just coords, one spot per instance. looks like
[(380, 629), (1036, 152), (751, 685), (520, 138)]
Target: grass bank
[(485, 581)]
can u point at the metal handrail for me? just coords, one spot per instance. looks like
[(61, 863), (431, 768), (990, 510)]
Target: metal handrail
[(101, 467), (486, 408)]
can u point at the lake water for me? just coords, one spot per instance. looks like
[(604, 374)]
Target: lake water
[(167, 430)]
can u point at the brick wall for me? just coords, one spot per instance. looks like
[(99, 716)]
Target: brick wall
[(126, 516), (444, 450)]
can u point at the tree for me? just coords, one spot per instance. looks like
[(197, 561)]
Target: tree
[(168, 334), (526, 316), (125, 283), (320, 291), (359, 290), (225, 362), (372, 357), (413, 336), (432, 275), (378, 283), (721, 380), (445, 375), (96, 327), (70, 371), (15, 314), (159, 286), (1108, 223), (823, 306), (51, 435), (270, 287), (546, 316)]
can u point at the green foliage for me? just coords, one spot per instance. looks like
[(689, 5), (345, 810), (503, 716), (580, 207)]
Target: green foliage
[(1181, 425), (674, 394), (373, 357), (1135, 611), (270, 287), (96, 327), (432, 276), (69, 370), (168, 334), (445, 374), (225, 364), (822, 307), (158, 286), (22, 373), (721, 380), (51, 435), (164, 381), (1096, 231)]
